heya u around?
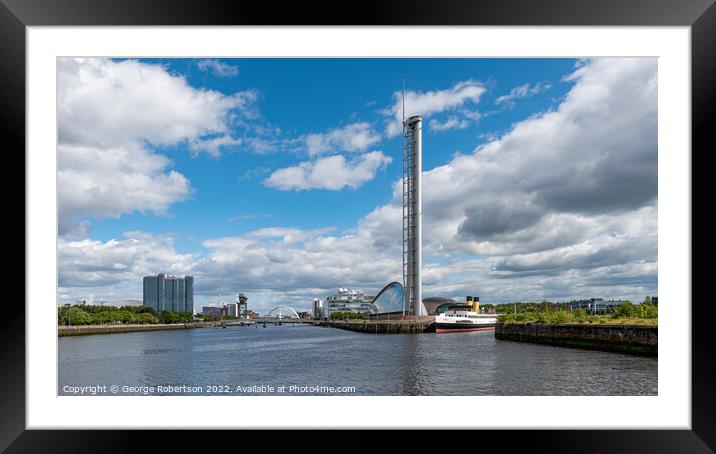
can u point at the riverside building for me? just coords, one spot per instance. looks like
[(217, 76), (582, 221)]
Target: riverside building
[(597, 305), (216, 311), (169, 293), (353, 301), (317, 311)]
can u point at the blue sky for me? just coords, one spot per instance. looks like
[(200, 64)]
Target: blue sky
[(303, 96), (136, 155)]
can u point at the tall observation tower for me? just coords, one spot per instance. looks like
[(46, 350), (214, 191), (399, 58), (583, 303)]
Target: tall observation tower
[(412, 214)]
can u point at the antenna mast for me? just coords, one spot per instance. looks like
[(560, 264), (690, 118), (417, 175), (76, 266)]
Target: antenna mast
[(403, 104)]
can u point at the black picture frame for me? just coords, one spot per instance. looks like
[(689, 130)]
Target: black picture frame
[(700, 15)]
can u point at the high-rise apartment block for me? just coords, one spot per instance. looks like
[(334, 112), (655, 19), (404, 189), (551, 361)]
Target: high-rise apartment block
[(169, 293)]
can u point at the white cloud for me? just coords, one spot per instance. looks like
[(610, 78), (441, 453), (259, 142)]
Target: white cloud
[(450, 123), (562, 193), (260, 145), (561, 206), (353, 137), (522, 91), (474, 277), (288, 235), (214, 147), (430, 102), (253, 173), (272, 265), (297, 265), (218, 68), (110, 115), (473, 115), (110, 182), (333, 172), (107, 103), (114, 269)]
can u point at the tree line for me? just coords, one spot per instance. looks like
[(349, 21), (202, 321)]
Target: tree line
[(102, 315), (345, 315)]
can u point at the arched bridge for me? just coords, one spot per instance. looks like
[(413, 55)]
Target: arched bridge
[(282, 312)]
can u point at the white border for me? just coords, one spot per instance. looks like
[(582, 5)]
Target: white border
[(670, 409)]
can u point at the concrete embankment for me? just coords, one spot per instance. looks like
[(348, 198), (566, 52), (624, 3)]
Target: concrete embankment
[(112, 329), (422, 325), (634, 339)]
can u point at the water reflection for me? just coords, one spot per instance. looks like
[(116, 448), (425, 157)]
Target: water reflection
[(396, 364), (411, 371)]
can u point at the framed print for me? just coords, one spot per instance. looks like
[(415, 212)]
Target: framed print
[(454, 216)]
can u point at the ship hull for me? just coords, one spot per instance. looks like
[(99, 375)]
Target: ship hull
[(462, 327)]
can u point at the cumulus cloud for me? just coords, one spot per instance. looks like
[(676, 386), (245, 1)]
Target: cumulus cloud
[(566, 191), (102, 102), (603, 243), (563, 205), (431, 102), (111, 115), (112, 181), (474, 276), (353, 137), (272, 265), (522, 91), (218, 68), (333, 172), (267, 262), (563, 194), (115, 268)]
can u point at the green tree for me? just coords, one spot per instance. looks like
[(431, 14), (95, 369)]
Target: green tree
[(76, 316), (185, 317), (177, 317), (648, 310), (146, 318), (625, 310), (339, 315), (168, 317), (580, 315)]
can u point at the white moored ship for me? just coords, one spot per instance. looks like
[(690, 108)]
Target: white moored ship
[(464, 317)]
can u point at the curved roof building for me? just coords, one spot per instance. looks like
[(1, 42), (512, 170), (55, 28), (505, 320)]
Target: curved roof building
[(437, 304), (391, 300)]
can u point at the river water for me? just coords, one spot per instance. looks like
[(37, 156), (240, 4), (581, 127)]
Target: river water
[(308, 360)]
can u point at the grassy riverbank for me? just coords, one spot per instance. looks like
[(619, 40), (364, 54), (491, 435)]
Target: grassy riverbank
[(566, 318), (627, 314)]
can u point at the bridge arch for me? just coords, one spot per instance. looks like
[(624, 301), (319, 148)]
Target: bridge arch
[(281, 309)]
